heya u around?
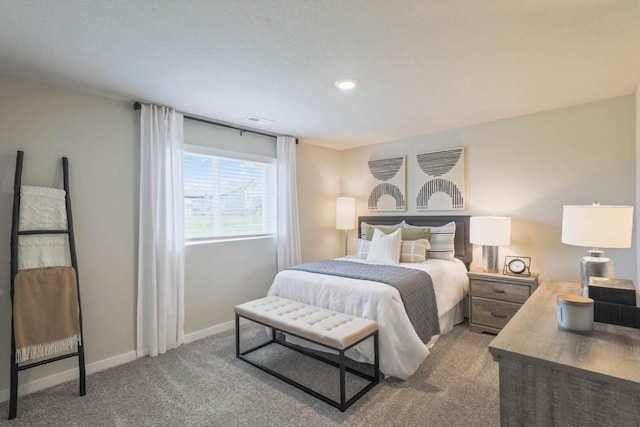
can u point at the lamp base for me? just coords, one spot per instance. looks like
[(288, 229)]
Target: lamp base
[(595, 264), (490, 259), (346, 244)]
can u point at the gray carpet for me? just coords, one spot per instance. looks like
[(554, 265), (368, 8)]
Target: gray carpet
[(203, 384)]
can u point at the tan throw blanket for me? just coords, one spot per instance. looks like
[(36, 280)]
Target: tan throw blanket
[(46, 319)]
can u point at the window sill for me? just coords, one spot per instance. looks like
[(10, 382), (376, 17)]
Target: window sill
[(227, 239)]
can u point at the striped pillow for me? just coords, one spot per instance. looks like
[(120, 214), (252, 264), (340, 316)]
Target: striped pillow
[(442, 242), (414, 250), (363, 248)]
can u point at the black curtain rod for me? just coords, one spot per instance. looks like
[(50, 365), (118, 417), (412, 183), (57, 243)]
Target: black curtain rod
[(137, 106)]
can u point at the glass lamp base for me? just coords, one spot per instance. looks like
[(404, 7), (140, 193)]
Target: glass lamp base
[(595, 264), (490, 259)]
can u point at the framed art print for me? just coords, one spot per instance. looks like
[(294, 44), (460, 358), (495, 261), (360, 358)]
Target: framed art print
[(440, 178), (387, 184)]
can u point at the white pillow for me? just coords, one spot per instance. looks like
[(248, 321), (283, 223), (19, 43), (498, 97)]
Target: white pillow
[(385, 248), (414, 250), (442, 242)]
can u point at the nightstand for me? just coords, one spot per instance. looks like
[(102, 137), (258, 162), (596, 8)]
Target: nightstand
[(495, 298)]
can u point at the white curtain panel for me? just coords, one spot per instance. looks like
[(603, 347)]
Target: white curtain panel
[(160, 313), (288, 226)]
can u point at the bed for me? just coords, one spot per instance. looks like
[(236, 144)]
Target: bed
[(401, 349)]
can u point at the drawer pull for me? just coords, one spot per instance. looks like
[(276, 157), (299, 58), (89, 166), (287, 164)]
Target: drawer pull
[(499, 315), (499, 291)]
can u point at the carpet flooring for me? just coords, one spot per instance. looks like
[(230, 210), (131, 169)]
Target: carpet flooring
[(203, 384)]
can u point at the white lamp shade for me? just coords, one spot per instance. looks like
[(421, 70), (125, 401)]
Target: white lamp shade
[(597, 226), (345, 213), (490, 230)]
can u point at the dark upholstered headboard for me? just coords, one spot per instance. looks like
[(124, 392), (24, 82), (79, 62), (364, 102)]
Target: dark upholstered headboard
[(464, 249)]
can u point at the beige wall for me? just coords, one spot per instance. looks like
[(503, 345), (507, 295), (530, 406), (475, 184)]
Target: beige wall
[(100, 138), (319, 183), (637, 205), (528, 168)]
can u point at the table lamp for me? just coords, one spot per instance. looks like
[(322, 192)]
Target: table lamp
[(345, 216), (596, 226), (490, 232)]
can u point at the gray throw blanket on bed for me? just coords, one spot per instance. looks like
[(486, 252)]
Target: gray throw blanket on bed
[(415, 287)]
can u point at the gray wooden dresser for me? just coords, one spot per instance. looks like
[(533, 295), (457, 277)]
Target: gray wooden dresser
[(550, 377), (495, 298)]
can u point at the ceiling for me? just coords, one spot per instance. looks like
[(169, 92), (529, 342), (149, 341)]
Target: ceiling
[(423, 66)]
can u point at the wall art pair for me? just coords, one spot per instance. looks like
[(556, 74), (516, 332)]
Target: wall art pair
[(439, 182)]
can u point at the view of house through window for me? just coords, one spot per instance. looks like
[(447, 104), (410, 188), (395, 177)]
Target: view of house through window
[(228, 197)]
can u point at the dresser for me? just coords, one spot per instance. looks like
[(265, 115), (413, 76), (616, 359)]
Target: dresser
[(551, 377), (495, 298)]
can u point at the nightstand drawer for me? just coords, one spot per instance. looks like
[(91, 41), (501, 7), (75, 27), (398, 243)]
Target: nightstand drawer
[(492, 313), (499, 291)]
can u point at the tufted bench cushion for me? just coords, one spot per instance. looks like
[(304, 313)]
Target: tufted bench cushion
[(327, 327)]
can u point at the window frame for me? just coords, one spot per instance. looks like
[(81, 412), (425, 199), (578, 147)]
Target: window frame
[(233, 155)]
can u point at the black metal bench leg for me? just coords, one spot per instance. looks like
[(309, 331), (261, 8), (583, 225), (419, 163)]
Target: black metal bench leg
[(237, 335), (376, 358), (342, 383)]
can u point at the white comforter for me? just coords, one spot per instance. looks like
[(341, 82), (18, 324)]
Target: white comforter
[(401, 350)]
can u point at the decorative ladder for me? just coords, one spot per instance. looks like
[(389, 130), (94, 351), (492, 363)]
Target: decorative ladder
[(15, 366)]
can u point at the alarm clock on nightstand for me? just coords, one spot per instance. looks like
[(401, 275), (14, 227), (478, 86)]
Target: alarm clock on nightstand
[(517, 266)]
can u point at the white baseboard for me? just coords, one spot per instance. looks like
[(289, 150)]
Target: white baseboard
[(69, 375), (204, 333), (101, 365)]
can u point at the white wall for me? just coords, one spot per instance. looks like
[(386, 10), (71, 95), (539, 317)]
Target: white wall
[(528, 168), (221, 275), (100, 138)]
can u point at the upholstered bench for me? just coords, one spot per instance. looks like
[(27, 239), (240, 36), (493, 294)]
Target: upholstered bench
[(330, 329)]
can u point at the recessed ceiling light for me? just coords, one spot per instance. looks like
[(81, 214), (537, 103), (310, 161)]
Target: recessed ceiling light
[(346, 84)]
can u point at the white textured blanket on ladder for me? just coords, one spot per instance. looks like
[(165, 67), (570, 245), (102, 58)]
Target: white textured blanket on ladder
[(42, 208)]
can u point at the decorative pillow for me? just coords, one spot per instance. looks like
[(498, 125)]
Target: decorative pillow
[(442, 242), (364, 227), (413, 233), (386, 229), (385, 248), (363, 248), (414, 250)]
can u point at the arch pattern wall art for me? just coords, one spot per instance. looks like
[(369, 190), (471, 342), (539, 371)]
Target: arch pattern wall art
[(440, 178), (388, 184)]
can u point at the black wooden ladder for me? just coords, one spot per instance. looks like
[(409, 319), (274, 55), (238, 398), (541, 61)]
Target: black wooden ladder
[(15, 232)]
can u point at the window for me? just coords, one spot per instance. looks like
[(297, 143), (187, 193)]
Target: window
[(228, 195)]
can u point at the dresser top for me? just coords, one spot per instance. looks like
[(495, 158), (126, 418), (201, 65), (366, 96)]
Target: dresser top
[(611, 351)]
